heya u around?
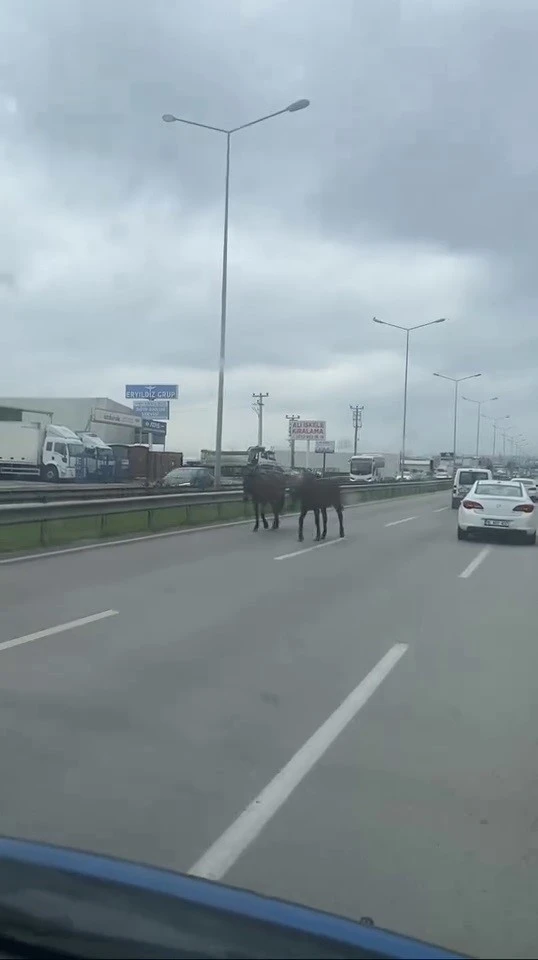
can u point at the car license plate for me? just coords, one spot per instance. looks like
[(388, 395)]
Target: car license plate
[(496, 523)]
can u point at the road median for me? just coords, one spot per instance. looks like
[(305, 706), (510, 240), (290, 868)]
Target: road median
[(33, 526)]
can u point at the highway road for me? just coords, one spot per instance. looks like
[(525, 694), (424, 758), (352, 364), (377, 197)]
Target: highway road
[(352, 725)]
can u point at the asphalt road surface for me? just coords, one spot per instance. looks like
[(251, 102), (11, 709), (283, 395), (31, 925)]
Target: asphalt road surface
[(352, 725)]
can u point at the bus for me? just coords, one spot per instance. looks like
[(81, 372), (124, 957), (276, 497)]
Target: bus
[(372, 467)]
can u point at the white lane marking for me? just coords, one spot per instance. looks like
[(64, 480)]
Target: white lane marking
[(61, 628), (316, 546), (222, 854), (480, 557), (440, 509), (394, 523), (175, 533)]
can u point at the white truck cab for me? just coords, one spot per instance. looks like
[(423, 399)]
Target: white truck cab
[(40, 451)]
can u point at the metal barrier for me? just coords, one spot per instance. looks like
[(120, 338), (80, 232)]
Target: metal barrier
[(29, 525), (39, 493)]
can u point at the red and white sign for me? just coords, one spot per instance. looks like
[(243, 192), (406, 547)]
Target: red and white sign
[(307, 429)]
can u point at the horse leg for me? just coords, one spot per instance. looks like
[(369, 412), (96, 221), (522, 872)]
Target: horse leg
[(264, 518), (256, 515), (324, 518), (302, 515), (316, 519), (340, 513), (278, 507)]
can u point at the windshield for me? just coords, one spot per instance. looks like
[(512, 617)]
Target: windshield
[(75, 449), (498, 490), (468, 477), (362, 467), (266, 236)]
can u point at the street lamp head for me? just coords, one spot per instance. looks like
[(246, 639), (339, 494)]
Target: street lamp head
[(375, 320), (169, 117), (298, 105), (440, 320), (474, 375)]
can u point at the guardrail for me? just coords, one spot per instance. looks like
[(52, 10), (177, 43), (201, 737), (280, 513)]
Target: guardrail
[(38, 493), (30, 525)]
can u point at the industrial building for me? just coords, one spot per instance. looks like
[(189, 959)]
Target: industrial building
[(113, 422)]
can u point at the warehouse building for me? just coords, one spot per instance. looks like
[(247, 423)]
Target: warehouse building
[(113, 422)]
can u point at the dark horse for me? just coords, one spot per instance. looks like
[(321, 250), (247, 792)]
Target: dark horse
[(265, 486), (316, 494)]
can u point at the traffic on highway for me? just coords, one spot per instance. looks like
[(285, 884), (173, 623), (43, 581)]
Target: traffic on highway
[(268, 480), (245, 708)]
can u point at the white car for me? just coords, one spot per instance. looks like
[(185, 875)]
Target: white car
[(501, 505), (530, 487)]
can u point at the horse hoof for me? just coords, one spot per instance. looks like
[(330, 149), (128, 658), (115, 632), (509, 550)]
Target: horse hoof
[(323, 536), (317, 539), (300, 539)]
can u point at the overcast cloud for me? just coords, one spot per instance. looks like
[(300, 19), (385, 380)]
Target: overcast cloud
[(407, 191)]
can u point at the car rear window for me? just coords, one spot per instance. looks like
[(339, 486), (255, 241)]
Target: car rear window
[(499, 490), (471, 476)]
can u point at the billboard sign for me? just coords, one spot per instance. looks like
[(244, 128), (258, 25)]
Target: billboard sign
[(307, 429), (154, 426), (148, 391), (121, 419), (325, 446), (152, 409)]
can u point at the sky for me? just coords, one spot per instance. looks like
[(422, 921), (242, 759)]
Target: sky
[(407, 191)]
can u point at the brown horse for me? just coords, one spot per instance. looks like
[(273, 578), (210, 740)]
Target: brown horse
[(265, 486), (316, 494)]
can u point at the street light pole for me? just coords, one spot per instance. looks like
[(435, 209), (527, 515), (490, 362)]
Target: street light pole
[(495, 421), (456, 381), (171, 118), (479, 411), (407, 331)]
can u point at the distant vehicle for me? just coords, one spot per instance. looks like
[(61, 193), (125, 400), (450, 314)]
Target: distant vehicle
[(463, 481), (99, 460), (40, 451), (530, 487), (372, 467), (233, 463), (500, 505), (191, 478), (441, 475)]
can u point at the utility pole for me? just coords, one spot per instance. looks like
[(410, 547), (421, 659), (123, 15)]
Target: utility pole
[(290, 417), (357, 423), (257, 406)]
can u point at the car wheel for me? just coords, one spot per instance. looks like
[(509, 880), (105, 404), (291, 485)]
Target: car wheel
[(532, 539), (455, 504), (462, 534)]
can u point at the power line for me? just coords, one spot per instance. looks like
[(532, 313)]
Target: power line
[(290, 417), (357, 423), (258, 406)]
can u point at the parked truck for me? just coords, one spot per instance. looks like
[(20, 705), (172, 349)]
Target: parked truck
[(36, 451)]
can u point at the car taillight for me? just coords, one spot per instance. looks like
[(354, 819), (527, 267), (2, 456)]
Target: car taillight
[(472, 505), (524, 508)]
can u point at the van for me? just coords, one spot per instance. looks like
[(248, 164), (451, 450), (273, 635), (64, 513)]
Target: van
[(463, 481)]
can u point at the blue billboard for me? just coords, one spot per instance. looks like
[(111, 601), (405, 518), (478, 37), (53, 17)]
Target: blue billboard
[(147, 391), (154, 426)]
